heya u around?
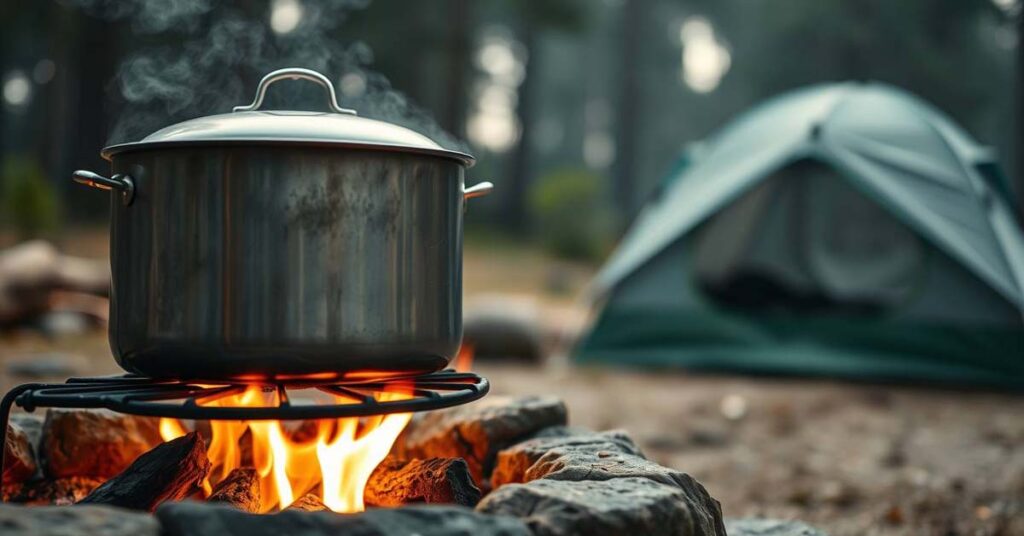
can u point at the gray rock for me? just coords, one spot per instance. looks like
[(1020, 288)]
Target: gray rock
[(64, 324), (512, 463), (503, 333), (561, 431), (74, 521), (94, 443), (568, 464), (477, 431), (575, 464), (770, 527), (44, 365), (202, 519), (630, 506)]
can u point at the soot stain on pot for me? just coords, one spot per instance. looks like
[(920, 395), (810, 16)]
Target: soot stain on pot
[(315, 208), (343, 195)]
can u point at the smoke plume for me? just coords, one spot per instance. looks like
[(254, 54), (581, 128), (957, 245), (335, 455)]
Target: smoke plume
[(202, 57)]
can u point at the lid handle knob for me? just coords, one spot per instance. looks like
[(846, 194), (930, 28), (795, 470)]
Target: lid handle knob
[(295, 73)]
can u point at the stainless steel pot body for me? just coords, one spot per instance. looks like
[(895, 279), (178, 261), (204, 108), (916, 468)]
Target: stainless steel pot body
[(257, 261)]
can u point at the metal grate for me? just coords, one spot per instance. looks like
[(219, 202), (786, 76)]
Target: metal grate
[(355, 397)]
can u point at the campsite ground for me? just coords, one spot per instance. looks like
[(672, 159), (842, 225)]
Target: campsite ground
[(853, 459)]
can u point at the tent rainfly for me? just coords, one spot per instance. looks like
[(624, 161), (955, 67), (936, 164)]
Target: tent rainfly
[(844, 229)]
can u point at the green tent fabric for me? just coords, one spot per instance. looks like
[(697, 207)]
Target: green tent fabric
[(844, 229)]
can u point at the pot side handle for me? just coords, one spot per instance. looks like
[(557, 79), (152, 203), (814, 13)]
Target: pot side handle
[(477, 190), (119, 182)]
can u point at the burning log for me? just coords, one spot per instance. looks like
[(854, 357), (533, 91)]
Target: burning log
[(397, 482), (308, 503), (99, 444), (62, 491), (19, 456), (168, 472), (305, 431), (240, 489)]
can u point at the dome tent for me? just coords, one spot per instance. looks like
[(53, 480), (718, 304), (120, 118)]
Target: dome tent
[(842, 229)]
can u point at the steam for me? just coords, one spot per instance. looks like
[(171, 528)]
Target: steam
[(212, 55)]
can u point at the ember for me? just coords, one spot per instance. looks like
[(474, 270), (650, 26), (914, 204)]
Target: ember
[(334, 463)]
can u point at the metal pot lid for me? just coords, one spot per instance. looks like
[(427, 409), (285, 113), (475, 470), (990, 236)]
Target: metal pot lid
[(249, 124)]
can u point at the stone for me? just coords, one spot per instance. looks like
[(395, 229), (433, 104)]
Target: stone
[(561, 431), (32, 270), (602, 508), (581, 465), (435, 481), (57, 324), (19, 455), (44, 365), (770, 527), (503, 331), (74, 521), (96, 443), (476, 432), (62, 491), (204, 519), (512, 463)]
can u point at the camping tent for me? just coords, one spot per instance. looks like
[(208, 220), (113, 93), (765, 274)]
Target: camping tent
[(844, 229)]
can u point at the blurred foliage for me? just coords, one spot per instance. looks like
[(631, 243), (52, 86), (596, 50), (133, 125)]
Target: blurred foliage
[(571, 213), (584, 69), (560, 15), (29, 204)]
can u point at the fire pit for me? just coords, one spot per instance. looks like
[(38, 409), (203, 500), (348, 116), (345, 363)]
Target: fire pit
[(338, 442), (496, 466)]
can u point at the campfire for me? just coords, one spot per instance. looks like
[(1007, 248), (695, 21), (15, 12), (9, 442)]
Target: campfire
[(310, 444), (496, 466), (329, 458)]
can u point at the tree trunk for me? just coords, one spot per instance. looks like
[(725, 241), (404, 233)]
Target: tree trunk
[(458, 57), (628, 110), (519, 177)]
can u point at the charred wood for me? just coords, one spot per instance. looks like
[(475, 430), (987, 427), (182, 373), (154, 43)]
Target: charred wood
[(168, 472), (240, 489), (308, 503), (62, 491)]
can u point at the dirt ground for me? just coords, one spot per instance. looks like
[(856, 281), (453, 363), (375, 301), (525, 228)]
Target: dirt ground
[(853, 459)]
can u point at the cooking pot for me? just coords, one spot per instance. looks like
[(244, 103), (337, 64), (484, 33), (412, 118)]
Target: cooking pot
[(267, 245)]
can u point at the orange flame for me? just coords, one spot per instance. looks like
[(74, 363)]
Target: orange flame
[(464, 359), (335, 462)]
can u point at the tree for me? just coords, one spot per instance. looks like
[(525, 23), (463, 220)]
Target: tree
[(535, 18)]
